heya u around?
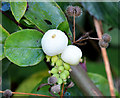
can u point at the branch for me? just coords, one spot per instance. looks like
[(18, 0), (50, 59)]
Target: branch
[(83, 82), (20, 93), (62, 91), (98, 26), (74, 27)]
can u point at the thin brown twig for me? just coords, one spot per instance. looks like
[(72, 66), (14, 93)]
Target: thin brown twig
[(88, 38), (98, 26), (62, 91), (20, 93), (74, 27)]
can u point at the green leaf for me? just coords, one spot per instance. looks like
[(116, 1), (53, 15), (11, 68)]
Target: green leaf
[(8, 24), (45, 15), (6, 83), (113, 54), (18, 9), (114, 33), (27, 23), (74, 91), (101, 83), (92, 66), (21, 73), (5, 64), (3, 35), (64, 26), (106, 11), (43, 90), (29, 84), (24, 47)]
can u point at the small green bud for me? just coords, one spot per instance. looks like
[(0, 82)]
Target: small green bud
[(61, 69), (48, 58), (59, 81), (65, 82), (56, 75), (54, 60), (66, 73), (66, 66), (59, 62), (54, 71), (63, 76)]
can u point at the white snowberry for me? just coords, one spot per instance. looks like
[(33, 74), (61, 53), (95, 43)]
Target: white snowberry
[(71, 55), (54, 42)]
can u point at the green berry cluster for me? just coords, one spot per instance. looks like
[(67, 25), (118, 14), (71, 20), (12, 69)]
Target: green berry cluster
[(60, 70)]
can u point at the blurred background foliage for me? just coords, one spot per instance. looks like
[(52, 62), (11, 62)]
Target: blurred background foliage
[(27, 79)]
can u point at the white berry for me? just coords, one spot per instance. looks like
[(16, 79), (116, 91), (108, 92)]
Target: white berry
[(71, 55), (54, 42)]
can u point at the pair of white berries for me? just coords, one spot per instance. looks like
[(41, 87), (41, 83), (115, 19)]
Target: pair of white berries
[(55, 42)]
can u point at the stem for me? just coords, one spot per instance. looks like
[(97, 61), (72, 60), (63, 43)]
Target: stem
[(98, 26), (27, 94), (83, 82), (62, 91), (74, 27), (87, 39), (11, 18)]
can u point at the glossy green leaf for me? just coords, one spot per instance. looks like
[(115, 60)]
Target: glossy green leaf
[(106, 11), (45, 15), (29, 84), (24, 47), (101, 83), (18, 9), (8, 24), (3, 35)]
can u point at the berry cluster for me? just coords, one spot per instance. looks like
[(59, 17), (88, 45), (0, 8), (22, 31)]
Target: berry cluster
[(60, 55), (104, 42), (60, 70)]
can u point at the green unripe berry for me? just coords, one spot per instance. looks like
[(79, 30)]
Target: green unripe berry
[(56, 75), (54, 60), (59, 81), (54, 71), (66, 66), (66, 73), (63, 76), (48, 58), (59, 62), (61, 69)]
